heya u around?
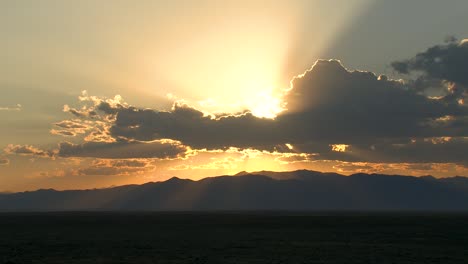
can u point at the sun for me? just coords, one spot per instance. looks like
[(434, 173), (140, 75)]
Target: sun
[(265, 105)]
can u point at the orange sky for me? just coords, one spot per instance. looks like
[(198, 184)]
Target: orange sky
[(235, 64)]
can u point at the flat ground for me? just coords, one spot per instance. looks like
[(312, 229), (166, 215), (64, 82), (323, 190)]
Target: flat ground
[(232, 238)]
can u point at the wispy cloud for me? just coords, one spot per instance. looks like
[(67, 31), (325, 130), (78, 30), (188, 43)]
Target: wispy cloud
[(4, 161), (18, 107), (25, 150)]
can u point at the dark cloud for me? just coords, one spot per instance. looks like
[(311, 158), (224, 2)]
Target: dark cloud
[(350, 167), (423, 167), (129, 163), (80, 113), (158, 149), (289, 158), (445, 62), (327, 105), (27, 150), (4, 161), (123, 150), (108, 108), (116, 167), (193, 128), (421, 150), (425, 150), (443, 66)]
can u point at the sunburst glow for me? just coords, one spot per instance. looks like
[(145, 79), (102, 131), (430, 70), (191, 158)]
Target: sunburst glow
[(265, 105)]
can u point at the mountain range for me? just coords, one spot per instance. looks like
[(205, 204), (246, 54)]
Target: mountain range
[(301, 190)]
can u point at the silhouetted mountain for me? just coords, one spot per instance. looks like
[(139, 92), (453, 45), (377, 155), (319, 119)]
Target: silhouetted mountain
[(265, 190)]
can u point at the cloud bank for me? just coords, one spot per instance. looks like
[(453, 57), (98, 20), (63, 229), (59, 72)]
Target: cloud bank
[(381, 120), (331, 114)]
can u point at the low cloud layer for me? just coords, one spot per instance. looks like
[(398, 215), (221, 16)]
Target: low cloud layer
[(27, 150), (115, 167), (158, 149), (161, 149)]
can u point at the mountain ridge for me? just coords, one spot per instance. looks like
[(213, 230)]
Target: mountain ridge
[(264, 190)]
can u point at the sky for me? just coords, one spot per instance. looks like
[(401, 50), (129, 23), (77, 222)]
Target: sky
[(105, 93)]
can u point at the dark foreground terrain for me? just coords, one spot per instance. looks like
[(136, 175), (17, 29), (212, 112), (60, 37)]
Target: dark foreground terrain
[(233, 238)]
